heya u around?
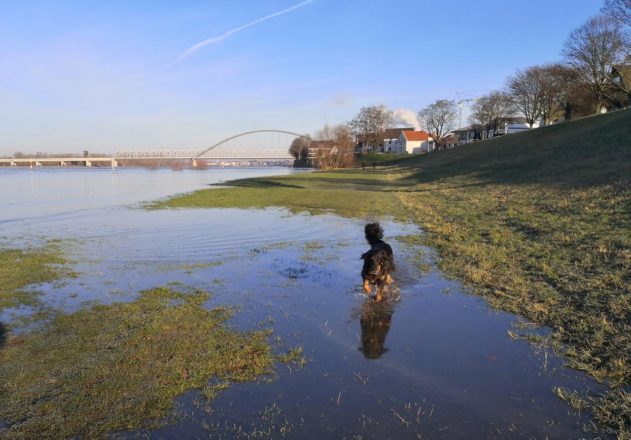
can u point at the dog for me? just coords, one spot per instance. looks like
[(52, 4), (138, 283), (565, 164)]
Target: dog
[(378, 261)]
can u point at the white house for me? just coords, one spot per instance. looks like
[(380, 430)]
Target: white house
[(414, 142), (519, 125), (388, 142), (391, 138)]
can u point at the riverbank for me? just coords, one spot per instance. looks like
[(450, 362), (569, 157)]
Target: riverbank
[(537, 223)]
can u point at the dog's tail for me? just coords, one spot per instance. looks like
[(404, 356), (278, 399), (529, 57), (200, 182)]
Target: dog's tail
[(373, 232)]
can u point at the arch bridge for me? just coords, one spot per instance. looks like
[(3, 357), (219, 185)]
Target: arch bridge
[(266, 145)]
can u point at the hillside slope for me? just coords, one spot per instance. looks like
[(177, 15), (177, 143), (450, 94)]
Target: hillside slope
[(582, 152)]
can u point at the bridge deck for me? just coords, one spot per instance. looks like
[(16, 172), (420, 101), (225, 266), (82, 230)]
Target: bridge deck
[(58, 159)]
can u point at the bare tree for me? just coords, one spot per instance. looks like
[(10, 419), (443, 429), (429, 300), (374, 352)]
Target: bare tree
[(335, 147), (491, 111), (562, 91), (619, 10), (439, 119), (545, 92), (526, 91), (370, 124), (593, 50), (300, 147)]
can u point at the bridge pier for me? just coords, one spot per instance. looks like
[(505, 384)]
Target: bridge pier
[(88, 163), (114, 163), (194, 163), (13, 164), (63, 164)]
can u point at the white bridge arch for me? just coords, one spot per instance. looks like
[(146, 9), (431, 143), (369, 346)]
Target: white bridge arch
[(263, 145)]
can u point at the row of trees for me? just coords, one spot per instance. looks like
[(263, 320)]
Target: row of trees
[(590, 77), (596, 56)]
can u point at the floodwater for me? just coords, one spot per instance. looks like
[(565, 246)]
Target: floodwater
[(430, 362)]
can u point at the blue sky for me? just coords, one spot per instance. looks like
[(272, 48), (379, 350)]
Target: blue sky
[(117, 74)]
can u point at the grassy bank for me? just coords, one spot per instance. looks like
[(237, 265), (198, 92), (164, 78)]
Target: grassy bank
[(538, 223), (20, 268), (120, 366), (346, 194)]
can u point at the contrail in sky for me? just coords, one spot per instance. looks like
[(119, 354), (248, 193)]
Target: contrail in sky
[(223, 36)]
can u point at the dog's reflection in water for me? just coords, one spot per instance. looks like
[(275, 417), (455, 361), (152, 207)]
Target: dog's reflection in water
[(375, 321)]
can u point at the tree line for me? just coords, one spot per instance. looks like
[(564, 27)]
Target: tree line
[(593, 75)]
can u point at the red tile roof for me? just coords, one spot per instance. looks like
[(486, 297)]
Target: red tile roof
[(394, 133), (416, 135)]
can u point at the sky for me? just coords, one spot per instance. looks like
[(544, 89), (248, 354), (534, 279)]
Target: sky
[(123, 74)]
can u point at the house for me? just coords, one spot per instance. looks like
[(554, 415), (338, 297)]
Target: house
[(621, 74), (319, 149), (414, 142), (391, 138), (516, 125), (450, 141), (503, 126), (468, 134), (387, 142)]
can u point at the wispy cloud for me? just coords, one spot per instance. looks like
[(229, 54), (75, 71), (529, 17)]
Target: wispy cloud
[(188, 52)]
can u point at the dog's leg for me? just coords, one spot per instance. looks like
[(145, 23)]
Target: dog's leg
[(380, 285), (367, 287), (388, 279)]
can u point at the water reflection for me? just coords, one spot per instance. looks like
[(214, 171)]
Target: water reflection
[(375, 322), (2, 334)]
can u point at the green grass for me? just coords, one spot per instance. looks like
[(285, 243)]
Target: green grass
[(538, 223), (120, 366), (20, 268), (348, 194), (380, 158)]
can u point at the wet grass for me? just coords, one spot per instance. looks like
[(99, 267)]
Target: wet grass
[(537, 223), (303, 195), (115, 367), (612, 411), (20, 268)]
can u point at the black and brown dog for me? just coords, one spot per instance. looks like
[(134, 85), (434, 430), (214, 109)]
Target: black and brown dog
[(378, 261)]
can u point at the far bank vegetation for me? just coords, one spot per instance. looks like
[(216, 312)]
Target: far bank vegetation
[(330, 148)]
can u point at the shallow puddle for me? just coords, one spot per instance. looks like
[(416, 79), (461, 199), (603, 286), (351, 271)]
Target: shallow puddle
[(430, 362)]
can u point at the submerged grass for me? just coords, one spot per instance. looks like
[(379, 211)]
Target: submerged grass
[(537, 223), (114, 367), (20, 268)]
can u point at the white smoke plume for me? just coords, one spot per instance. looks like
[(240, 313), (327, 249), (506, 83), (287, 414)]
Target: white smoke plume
[(406, 117)]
